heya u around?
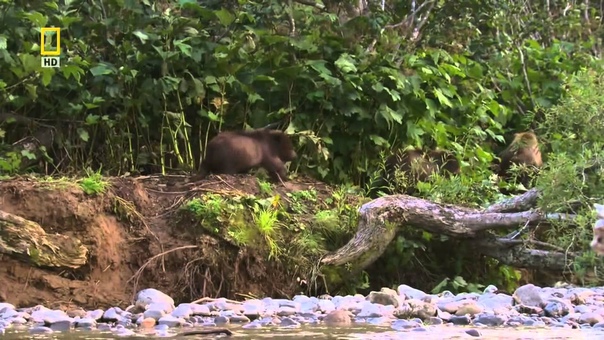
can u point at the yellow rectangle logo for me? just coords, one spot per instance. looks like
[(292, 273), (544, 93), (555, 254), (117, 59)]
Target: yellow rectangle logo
[(45, 30)]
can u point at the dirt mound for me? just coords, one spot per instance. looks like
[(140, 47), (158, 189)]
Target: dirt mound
[(136, 239)]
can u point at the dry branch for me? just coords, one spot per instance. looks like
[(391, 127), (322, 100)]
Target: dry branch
[(26, 239), (381, 218)]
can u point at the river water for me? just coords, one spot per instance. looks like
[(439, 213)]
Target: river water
[(323, 332)]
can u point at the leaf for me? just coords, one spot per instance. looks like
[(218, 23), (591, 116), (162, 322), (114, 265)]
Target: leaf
[(442, 98), (28, 154), (198, 87), (183, 86), (184, 2), (319, 66), (37, 18), (377, 140), (378, 87), (210, 80), (254, 97), (184, 48), (475, 71), (72, 71), (393, 94), (3, 42), (459, 281), (32, 91), (413, 131), (225, 17), (52, 5), (47, 74), (440, 287), (345, 64), (431, 106), (494, 107), (100, 69), (141, 35), (83, 134), (30, 62), (92, 119), (324, 72)]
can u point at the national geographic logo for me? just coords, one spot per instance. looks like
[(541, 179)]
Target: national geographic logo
[(50, 58)]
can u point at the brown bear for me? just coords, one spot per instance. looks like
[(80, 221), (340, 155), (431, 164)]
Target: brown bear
[(523, 150), (417, 166), (237, 152)]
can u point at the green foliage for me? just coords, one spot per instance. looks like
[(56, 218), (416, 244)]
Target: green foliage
[(457, 285), (297, 231), (572, 179), (143, 87), (153, 83), (93, 184)]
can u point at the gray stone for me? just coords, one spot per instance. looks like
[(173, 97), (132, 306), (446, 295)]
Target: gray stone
[(529, 295), (40, 330), (170, 321), (490, 320), (148, 296)]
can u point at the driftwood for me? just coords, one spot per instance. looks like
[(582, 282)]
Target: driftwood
[(22, 238), (381, 218)]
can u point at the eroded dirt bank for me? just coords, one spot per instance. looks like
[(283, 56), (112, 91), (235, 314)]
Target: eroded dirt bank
[(134, 221)]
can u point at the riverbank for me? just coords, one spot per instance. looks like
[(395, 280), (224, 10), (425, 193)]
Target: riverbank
[(552, 312), (94, 242)]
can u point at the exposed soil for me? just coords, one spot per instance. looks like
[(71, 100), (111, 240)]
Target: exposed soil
[(123, 230)]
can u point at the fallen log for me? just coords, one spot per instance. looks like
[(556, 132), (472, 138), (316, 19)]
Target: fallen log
[(381, 219), (23, 238)]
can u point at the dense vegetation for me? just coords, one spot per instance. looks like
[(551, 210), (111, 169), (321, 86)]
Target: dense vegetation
[(148, 83)]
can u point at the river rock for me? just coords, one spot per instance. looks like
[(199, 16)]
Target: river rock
[(6, 306), (370, 310), (61, 326), (49, 316), (469, 307), (40, 330), (289, 323), (557, 307), (404, 324), (96, 314), (8, 313), (421, 309), (460, 320), (253, 308), (385, 297), (85, 323), (170, 321), (591, 318), (338, 318), (490, 320), (529, 295), (149, 296), (492, 302), (183, 310), (410, 292), (111, 314)]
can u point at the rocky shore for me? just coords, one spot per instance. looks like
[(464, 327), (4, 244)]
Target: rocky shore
[(406, 309)]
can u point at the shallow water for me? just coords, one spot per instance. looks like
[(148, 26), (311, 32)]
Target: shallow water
[(343, 333)]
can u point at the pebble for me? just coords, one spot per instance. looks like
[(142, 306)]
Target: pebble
[(405, 309)]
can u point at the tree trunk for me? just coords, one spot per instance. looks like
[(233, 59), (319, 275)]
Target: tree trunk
[(380, 220)]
